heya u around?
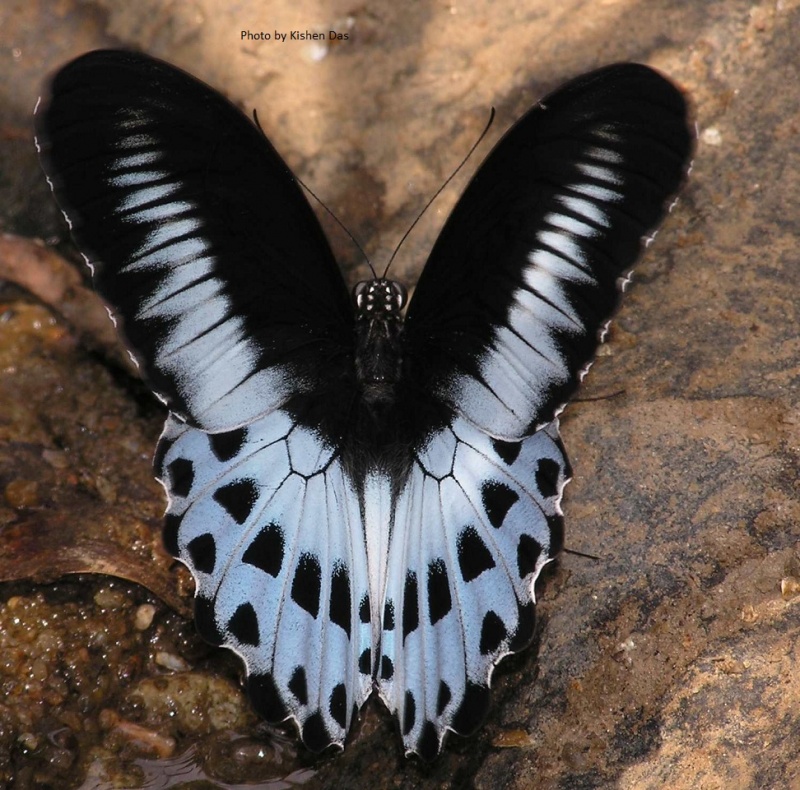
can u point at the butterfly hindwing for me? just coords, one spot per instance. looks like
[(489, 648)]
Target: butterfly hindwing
[(270, 527), (188, 217), (524, 275), (472, 528)]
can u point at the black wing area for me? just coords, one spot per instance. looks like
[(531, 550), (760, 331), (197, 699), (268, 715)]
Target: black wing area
[(525, 274), (198, 236)]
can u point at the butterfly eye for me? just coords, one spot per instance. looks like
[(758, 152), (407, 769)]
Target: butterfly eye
[(400, 295), (360, 293)]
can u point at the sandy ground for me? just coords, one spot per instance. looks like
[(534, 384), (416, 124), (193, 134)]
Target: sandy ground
[(672, 660)]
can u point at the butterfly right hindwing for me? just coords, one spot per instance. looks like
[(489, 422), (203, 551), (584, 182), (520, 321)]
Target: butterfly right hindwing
[(472, 528)]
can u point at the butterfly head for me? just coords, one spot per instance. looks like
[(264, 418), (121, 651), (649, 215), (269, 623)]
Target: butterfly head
[(379, 299)]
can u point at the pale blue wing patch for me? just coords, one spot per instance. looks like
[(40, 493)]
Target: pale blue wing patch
[(270, 527), (473, 527), (529, 355), (205, 350)]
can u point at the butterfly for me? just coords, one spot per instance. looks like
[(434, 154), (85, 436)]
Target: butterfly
[(364, 490)]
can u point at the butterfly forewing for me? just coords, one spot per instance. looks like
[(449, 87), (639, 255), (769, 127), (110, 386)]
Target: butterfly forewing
[(525, 272), (189, 220), (348, 530)]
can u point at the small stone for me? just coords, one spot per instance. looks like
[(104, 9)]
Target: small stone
[(143, 618), (22, 493), (170, 661), (790, 587), (109, 598)]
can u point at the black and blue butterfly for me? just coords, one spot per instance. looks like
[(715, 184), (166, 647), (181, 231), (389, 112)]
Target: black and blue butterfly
[(365, 500)]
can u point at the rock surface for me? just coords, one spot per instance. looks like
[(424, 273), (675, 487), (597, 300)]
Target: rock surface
[(670, 661)]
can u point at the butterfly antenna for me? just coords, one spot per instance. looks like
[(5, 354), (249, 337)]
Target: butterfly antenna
[(330, 213), (439, 191), (583, 554)]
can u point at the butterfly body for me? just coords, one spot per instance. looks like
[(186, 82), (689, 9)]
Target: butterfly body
[(365, 500), (379, 328)]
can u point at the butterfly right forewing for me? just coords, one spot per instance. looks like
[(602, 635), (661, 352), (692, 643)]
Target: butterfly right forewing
[(199, 238), (525, 274)]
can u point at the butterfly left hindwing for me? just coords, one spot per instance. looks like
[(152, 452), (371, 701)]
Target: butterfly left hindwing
[(365, 503), (269, 524)]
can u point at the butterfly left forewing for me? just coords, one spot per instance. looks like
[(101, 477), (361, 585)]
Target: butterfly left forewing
[(472, 528), (270, 527)]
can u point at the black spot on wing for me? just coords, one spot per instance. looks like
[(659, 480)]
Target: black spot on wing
[(227, 445), (340, 598), (497, 500), (244, 625), (266, 550), (525, 625), (337, 705), (307, 584), (410, 604), (493, 632), (508, 451), (238, 499), (203, 553), (528, 552), (473, 556), (365, 662), (206, 622), (387, 668), (388, 616), (264, 695), (428, 743), (180, 476), (472, 709), (162, 448), (556, 525), (409, 713), (315, 734), (364, 612), (563, 452), (172, 523), (440, 601), (443, 697), (547, 471), (298, 686)]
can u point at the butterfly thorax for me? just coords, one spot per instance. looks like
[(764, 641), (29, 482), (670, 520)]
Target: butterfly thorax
[(379, 326)]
